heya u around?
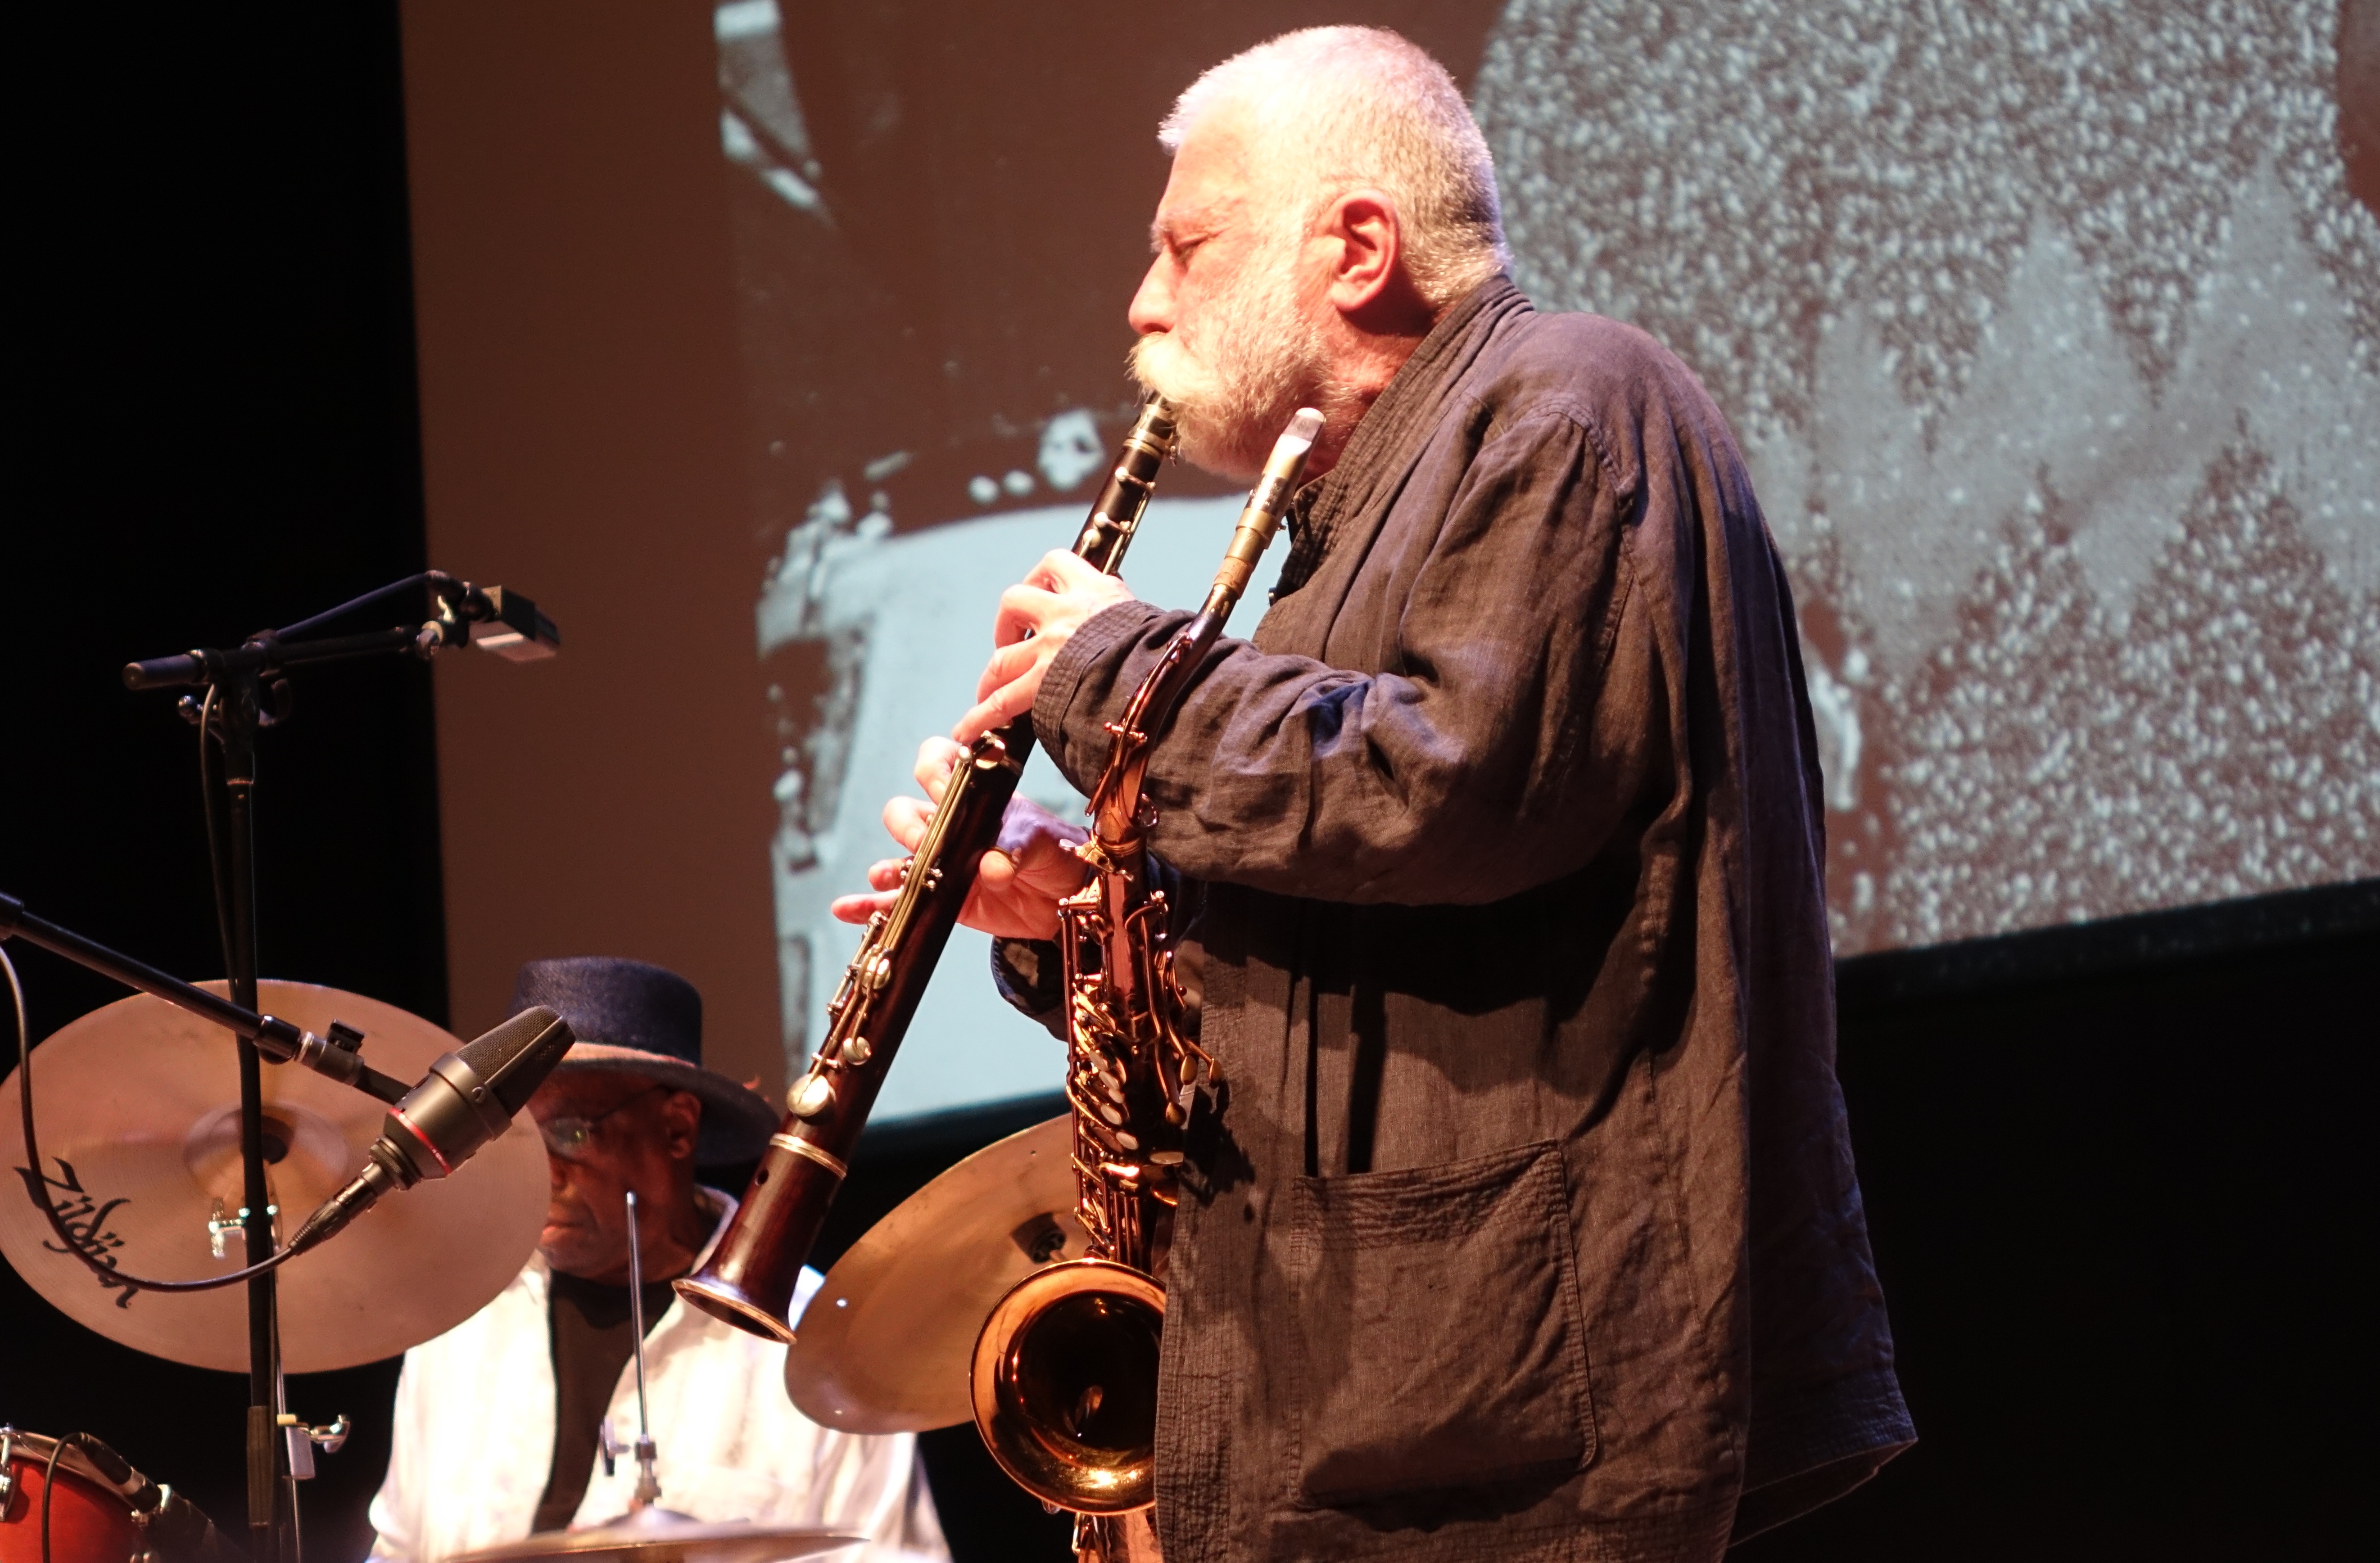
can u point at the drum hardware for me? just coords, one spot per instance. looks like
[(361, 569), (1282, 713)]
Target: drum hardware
[(648, 1487), (245, 692), (305, 1440), (220, 1226), (108, 1513)]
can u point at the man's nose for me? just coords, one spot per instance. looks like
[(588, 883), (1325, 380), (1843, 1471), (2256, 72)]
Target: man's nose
[(1152, 307)]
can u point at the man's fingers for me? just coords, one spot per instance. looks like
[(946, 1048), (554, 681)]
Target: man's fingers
[(1009, 702), (1023, 611), (1059, 569), (905, 820), (937, 757), (859, 908), (1006, 666)]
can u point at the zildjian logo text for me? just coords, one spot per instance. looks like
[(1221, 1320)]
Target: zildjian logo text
[(85, 1221)]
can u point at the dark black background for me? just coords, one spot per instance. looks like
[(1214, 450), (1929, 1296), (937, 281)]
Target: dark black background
[(2120, 1188), (212, 371)]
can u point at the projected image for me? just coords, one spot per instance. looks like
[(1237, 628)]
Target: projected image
[(893, 630), (2051, 332)]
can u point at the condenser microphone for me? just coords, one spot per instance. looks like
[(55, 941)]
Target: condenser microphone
[(468, 1097)]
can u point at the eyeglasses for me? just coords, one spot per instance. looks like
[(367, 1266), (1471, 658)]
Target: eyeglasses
[(568, 1136)]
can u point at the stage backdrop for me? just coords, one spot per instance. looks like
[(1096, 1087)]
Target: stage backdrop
[(763, 345)]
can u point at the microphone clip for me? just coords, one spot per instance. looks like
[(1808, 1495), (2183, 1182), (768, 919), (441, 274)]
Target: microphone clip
[(491, 618)]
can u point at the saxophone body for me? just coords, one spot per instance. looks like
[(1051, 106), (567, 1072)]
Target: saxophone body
[(748, 1281), (1064, 1375)]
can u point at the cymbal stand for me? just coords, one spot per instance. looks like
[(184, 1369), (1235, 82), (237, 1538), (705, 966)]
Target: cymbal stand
[(648, 1486), (645, 1511)]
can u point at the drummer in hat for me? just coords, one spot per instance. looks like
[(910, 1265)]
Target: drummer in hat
[(506, 1424)]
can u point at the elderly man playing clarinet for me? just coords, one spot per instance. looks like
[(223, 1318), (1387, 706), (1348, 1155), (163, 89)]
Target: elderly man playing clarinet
[(1526, 1226)]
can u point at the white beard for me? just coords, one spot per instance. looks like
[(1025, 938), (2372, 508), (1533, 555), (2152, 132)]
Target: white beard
[(1255, 355)]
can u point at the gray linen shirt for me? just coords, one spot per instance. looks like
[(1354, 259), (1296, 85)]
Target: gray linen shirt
[(1527, 1225)]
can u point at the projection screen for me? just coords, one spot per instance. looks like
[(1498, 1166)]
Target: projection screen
[(2048, 331)]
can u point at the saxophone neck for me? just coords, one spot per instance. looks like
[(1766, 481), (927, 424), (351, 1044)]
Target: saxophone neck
[(1116, 801)]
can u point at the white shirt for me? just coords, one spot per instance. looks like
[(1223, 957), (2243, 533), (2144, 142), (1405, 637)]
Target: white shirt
[(474, 1438)]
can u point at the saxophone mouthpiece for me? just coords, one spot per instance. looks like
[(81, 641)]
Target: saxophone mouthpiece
[(1297, 439), (1266, 502)]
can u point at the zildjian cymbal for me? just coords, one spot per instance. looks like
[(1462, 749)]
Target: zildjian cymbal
[(138, 1110), (656, 1535), (886, 1344)]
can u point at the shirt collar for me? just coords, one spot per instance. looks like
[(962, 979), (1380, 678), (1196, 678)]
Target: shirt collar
[(1409, 403)]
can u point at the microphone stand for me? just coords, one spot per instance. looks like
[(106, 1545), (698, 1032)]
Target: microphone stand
[(232, 715)]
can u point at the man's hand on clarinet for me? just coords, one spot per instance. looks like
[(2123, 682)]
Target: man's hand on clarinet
[(1017, 889), (1038, 616)]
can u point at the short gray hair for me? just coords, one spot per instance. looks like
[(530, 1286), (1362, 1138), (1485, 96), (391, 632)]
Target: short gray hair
[(1339, 108)]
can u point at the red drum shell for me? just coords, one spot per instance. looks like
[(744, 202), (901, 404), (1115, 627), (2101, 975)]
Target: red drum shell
[(90, 1521)]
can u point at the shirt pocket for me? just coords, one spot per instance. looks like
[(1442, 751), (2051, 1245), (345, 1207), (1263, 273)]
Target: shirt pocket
[(1439, 1334)]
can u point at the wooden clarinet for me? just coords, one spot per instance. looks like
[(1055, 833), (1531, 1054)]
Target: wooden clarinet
[(748, 1280)]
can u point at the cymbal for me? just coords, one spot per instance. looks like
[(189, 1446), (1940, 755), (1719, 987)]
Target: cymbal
[(657, 1535), (138, 1104), (885, 1345)]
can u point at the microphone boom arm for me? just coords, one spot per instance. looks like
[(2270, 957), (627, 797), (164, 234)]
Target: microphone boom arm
[(336, 1056)]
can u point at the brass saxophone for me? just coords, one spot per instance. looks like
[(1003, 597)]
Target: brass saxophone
[(748, 1280), (1064, 1375)]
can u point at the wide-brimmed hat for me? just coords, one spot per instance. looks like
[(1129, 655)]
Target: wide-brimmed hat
[(631, 1018)]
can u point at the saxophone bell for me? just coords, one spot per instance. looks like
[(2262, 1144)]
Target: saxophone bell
[(1064, 1384)]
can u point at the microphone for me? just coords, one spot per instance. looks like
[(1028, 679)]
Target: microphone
[(493, 620), (468, 1097)]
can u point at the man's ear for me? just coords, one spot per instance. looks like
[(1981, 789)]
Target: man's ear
[(681, 1116), (1368, 282)]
